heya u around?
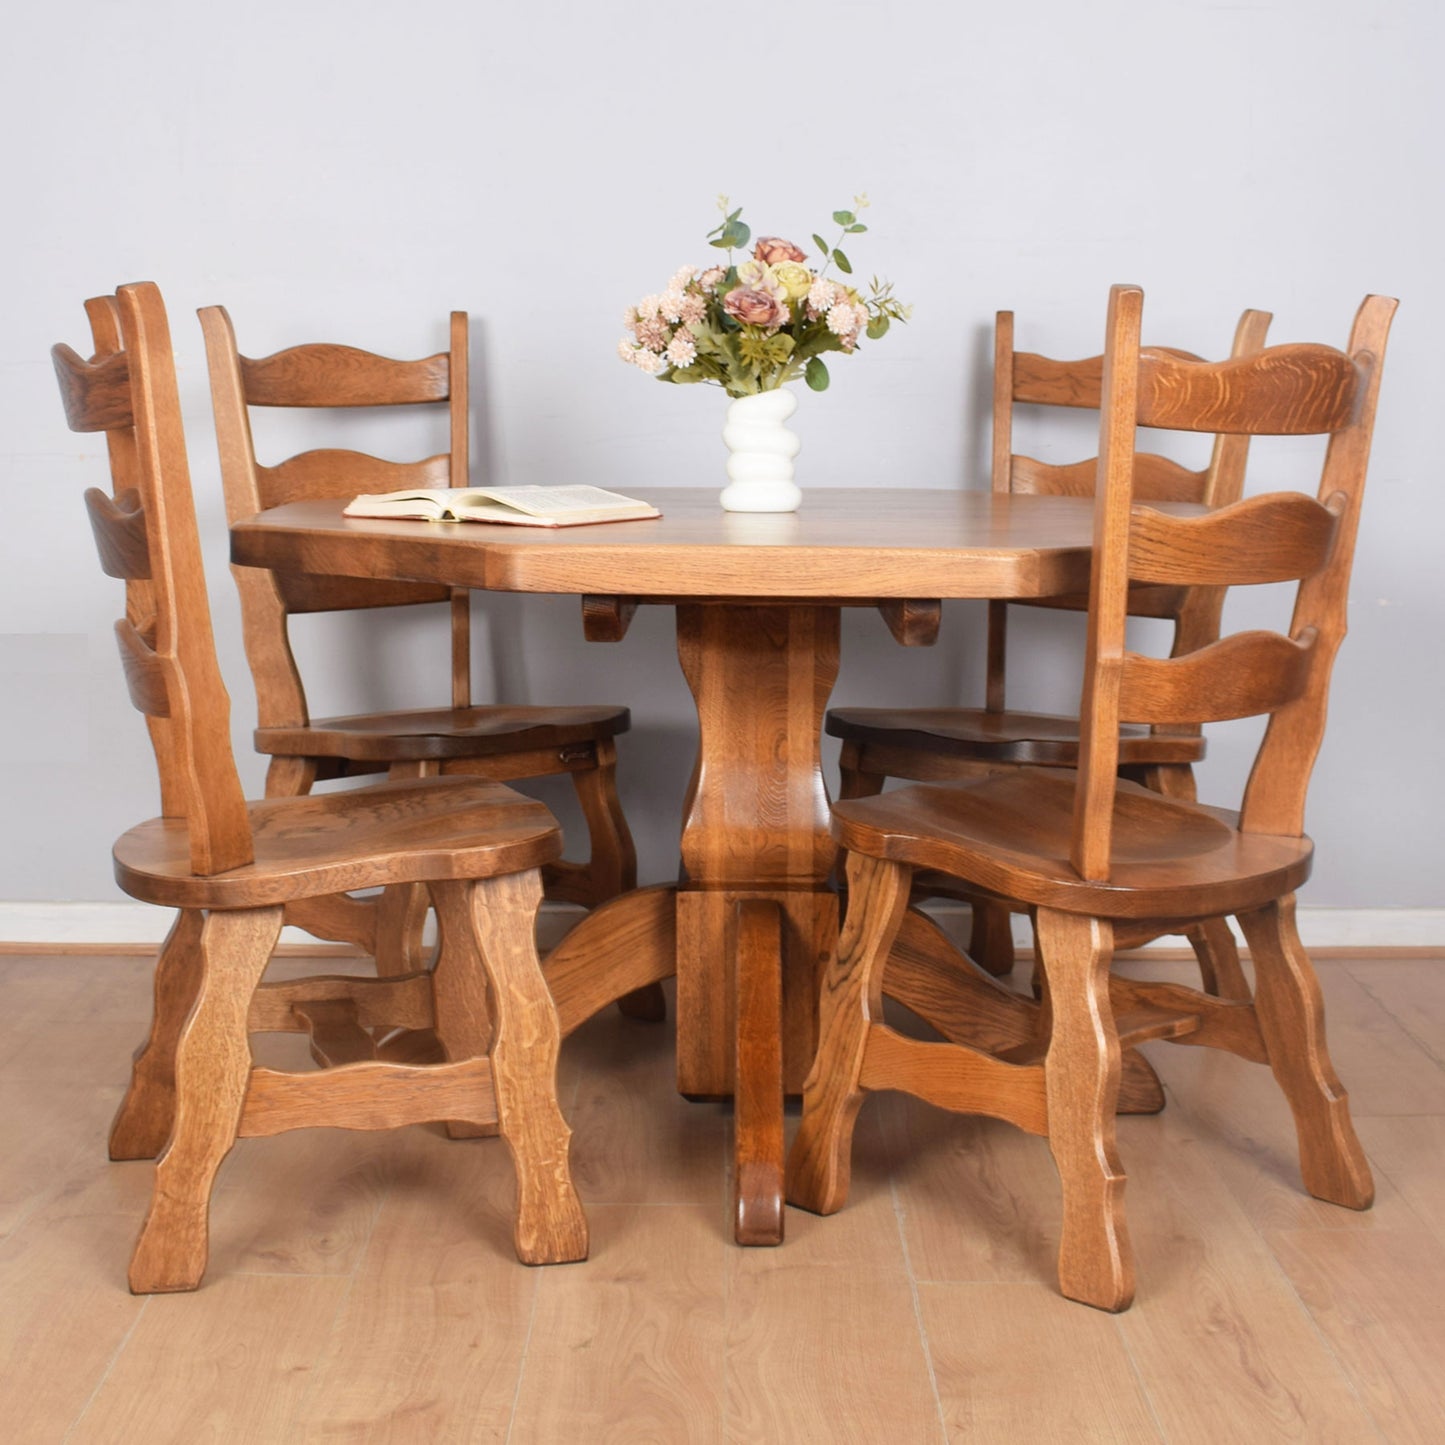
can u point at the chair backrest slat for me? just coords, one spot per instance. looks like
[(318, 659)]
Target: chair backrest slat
[(147, 678), (1161, 479), (1281, 391), (1289, 390), (336, 472), (1042, 381), (118, 525), (96, 397), (1243, 675), (325, 375), (169, 658), (1279, 537)]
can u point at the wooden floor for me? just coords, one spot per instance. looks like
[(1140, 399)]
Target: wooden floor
[(362, 1285)]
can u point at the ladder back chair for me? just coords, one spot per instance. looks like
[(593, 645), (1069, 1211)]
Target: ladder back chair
[(1100, 860), (934, 744), (499, 741), (231, 867)]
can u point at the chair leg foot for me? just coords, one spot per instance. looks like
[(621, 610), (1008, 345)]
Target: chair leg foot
[(143, 1122), (213, 1061), (1292, 1019), (1081, 1076), (819, 1168)]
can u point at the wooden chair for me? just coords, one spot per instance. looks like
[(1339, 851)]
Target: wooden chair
[(232, 867), (502, 742), (1099, 860), (934, 744)]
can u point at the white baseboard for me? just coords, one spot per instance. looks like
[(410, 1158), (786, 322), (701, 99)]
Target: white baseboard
[(100, 924)]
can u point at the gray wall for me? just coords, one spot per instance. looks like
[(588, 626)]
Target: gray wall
[(351, 171)]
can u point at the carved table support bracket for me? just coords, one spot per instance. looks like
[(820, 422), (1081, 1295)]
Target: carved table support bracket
[(913, 621), (606, 619)]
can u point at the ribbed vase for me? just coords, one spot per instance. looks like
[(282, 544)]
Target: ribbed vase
[(760, 453)]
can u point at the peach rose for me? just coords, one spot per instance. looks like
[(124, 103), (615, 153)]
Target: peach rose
[(753, 308), (772, 249)]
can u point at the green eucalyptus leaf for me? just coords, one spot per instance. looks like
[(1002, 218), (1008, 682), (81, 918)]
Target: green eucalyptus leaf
[(877, 327), (844, 218), (816, 374), (736, 214), (856, 227), (843, 263), (821, 244)]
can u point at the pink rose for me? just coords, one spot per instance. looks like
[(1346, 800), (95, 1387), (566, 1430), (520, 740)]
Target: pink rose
[(753, 308), (772, 249)]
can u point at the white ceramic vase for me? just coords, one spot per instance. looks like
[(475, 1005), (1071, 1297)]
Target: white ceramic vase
[(760, 453)]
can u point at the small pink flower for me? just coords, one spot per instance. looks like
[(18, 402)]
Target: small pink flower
[(843, 319), (823, 296), (682, 351), (754, 308), (651, 332), (693, 308), (711, 278), (772, 249)]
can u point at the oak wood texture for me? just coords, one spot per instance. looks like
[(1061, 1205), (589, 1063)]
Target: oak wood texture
[(932, 744), (231, 867), (1091, 855), (498, 741)]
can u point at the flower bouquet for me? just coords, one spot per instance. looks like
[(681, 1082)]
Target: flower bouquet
[(755, 326)]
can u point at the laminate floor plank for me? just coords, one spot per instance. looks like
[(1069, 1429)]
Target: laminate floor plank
[(1217, 1333), (1017, 1363), (632, 1345), (67, 1312), (1377, 1299), (825, 1353), (635, 1139), (1413, 992), (300, 1203), (978, 1198), (1408, 1153), (235, 1368), (51, 1134), (428, 1347)]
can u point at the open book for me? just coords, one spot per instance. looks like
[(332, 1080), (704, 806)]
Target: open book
[(521, 506)]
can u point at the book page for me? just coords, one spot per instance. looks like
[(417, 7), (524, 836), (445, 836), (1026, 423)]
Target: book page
[(553, 501)]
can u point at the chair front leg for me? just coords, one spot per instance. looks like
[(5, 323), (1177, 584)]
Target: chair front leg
[(213, 1065), (550, 1225), (1291, 1017), (820, 1163), (1081, 1077)]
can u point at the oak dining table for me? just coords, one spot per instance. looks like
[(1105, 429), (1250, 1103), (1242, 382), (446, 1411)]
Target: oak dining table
[(752, 922)]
